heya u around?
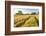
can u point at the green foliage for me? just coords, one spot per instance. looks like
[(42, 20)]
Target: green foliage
[(33, 13), (19, 12)]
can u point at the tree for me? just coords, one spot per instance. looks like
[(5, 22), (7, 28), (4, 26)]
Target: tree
[(33, 13), (20, 12)]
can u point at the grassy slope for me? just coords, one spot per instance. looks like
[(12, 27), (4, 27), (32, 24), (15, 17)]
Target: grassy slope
[(26, 20)]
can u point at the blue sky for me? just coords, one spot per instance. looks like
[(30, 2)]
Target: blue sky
[(26, 10)]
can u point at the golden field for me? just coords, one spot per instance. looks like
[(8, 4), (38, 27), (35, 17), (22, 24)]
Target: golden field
[(26, 20)]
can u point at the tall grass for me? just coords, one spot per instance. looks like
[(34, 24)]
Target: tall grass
[(26, 20)]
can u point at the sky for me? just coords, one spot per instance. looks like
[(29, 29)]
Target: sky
[(26, 10)]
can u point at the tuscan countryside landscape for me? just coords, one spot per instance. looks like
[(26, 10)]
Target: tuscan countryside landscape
[(25, 17)]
